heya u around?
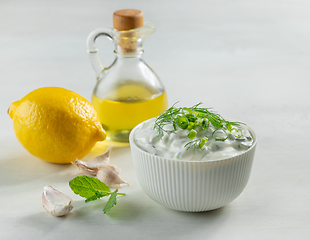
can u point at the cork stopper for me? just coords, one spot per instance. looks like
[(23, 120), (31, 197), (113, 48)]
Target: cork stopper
[(127, 19)]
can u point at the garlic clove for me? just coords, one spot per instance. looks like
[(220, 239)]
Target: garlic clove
[(85, 167), (109, 174), (55, 202), (93, 165)]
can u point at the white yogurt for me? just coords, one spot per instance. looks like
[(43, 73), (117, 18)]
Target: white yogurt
[(173, 145)]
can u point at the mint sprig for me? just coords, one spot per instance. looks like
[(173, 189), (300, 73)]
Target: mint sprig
[(111, 202), (92, 189)]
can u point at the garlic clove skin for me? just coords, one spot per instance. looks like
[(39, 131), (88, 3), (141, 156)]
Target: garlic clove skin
[(55, 202), (101, 168), (93, 165), (85, 168), (109, 174)]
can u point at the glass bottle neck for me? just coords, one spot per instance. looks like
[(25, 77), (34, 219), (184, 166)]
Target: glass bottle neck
[(137, 54), (130, 43)]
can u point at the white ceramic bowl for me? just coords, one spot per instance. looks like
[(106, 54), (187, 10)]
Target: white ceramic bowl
[(192, 186)]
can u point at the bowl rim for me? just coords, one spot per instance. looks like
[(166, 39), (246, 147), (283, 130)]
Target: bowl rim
[(133, 144)]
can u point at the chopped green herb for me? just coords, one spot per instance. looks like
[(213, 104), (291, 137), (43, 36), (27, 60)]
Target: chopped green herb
[(193, 144), (202, 142), (182, 122), (192, 117), (204, 124), (220, 138), (192, 134), (191, 125)]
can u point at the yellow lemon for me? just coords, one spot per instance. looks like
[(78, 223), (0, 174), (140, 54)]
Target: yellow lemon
[(56, 124)]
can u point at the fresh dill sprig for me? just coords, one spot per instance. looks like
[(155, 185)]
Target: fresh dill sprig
[(193, 144), (191, 117), (196, 144)]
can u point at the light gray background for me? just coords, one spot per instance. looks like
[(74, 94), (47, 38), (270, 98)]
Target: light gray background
[(247, 59)]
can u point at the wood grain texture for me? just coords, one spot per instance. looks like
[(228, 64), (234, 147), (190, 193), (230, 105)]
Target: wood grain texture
[(127, 19)]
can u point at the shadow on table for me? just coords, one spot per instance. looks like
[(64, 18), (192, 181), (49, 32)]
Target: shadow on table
[(82, 212), (185, 225), (19, 166), (157, 222)]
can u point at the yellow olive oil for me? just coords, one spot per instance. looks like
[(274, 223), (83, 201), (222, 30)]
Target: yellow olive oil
[(126, 107)]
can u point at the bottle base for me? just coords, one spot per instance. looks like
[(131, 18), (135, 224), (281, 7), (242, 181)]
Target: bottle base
[(119, 135)]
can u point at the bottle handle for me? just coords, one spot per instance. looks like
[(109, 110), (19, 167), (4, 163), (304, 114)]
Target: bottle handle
[(92, 49)]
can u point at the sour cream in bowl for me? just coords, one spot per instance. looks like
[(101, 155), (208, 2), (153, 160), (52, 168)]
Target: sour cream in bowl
[(191, 159)]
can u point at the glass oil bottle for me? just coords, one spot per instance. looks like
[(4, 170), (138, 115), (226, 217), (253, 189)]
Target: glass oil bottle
[(129, 91)]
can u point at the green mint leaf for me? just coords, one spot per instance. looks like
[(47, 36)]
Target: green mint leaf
[(111, 202), (92, 189), (89, 187), (95, 197)]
